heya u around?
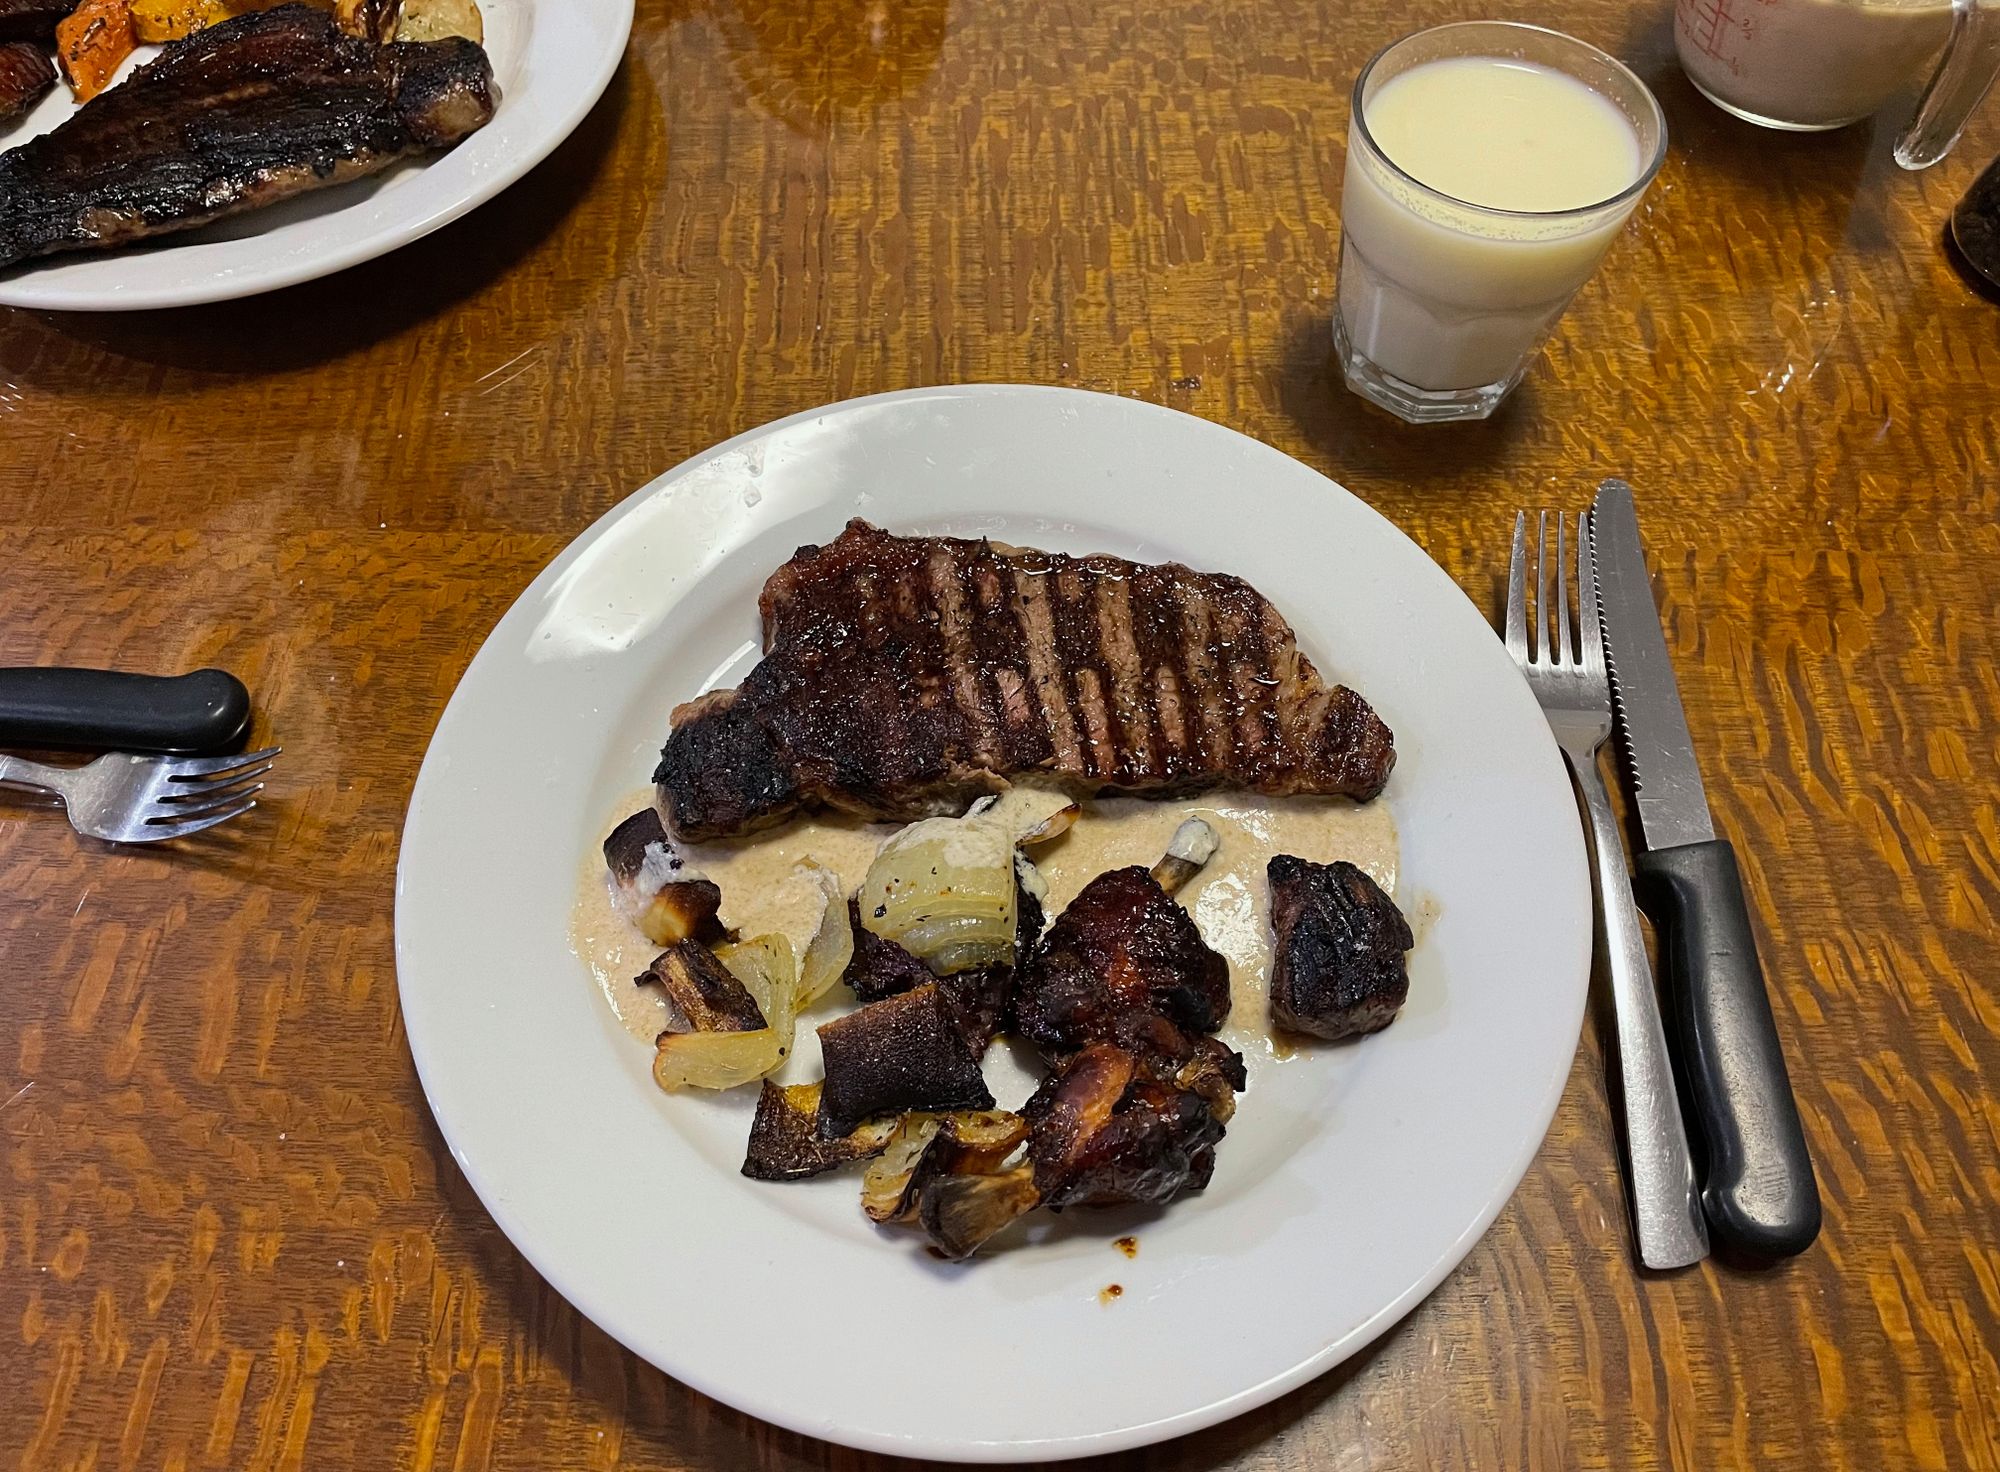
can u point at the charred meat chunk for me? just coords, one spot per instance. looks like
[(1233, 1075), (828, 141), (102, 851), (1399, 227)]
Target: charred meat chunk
[(1122, 945), (262, 107), (1338, 969), (26, 72), (904, 1052), (702, 995), (669, 902), (1105, 1130), (904, 677), (785, 1142)]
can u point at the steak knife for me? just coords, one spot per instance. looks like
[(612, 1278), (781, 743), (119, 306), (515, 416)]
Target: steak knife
[(1758, 1193), (200, 714)]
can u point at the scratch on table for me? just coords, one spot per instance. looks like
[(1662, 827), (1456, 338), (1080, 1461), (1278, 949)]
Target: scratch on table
[(18, 1093)]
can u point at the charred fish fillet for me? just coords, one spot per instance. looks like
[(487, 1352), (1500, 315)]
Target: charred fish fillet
[(904, 676), (249, 112)]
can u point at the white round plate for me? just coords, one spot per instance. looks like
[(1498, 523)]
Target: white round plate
[(552, 60), (1353, 1177)]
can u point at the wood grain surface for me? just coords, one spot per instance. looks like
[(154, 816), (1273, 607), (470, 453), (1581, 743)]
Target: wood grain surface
[(230, 1236)]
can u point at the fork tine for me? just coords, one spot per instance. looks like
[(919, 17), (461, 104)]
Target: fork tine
[(202, 791), (169, 809), (160, 828), (195, 768), (1589, 627), (1545, 578), (1517, 592), (1562, 591)]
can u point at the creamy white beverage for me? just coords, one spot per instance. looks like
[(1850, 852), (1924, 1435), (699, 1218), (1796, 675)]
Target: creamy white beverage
[(1807, 63), (1451, 286)]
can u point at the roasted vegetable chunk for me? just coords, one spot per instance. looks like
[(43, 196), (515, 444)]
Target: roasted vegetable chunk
[(905, 1052), (657, 892), (785, 1143)]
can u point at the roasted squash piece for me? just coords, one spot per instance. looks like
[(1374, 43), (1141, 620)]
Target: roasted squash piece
[(785, 1143), (93, 43)]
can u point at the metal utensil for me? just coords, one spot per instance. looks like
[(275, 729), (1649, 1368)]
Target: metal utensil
[(1759, 1191), (144, 799), (1569, 681), (200, 714)]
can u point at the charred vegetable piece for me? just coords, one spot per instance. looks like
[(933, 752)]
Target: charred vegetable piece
[(1104, 1130), (25, 74), (904, 1052), (702, 994), (1122, 945), (925, 1147), (943, 890), (668, 901), (1197, 1062), (960, 1213), (785, 1143), (880, 968), (725, 1056), (978, 1002), (1192, 846), (32, 20), (1338, 969)]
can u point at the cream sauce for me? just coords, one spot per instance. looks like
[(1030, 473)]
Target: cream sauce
[(763, 889)]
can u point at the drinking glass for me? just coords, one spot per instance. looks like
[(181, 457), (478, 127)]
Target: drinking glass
[(1444, 303)]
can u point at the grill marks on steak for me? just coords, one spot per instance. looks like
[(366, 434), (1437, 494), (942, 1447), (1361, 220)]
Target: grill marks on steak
[(255, 110), (904, 676)]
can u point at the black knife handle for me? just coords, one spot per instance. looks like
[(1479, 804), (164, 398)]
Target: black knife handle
[(103, 710), (1760, 1196)]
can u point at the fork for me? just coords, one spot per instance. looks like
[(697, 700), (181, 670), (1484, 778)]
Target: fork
[(1573, 686), (144, 799)]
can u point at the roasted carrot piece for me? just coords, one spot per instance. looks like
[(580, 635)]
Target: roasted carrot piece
[(92, 43)]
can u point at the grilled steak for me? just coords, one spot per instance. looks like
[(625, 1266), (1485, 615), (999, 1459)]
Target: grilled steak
[(32, 20), (904, 676), (26, 72), (249, 112)]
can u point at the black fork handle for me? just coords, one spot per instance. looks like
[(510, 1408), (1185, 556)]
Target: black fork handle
[(202, 713)]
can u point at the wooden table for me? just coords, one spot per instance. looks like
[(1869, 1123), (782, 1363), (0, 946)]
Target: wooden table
[(230, 1236)]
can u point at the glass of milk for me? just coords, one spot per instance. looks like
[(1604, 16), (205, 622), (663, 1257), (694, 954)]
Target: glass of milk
[(1489, 165)]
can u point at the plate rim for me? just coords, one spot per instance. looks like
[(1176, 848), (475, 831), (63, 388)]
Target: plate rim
[(485, 187), (1060, 1448)]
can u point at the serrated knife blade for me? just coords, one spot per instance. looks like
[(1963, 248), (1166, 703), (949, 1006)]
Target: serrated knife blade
[(1651, 727)]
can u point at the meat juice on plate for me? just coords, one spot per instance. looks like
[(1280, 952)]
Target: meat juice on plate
[(1438, 286), (1806, 64)]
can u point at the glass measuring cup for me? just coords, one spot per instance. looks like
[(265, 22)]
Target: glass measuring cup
[(1808, 65)]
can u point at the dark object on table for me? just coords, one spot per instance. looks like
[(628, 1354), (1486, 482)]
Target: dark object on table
[(1122, 945), (26, 72), (905, 676), (32, 20), (904, 1052), (1758, 1194), (1337, 969), (1107, 1130), (1975, 226), (198, 714), (257, 109)]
